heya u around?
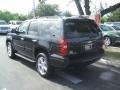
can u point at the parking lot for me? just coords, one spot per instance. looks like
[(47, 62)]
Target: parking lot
[(19, 74)]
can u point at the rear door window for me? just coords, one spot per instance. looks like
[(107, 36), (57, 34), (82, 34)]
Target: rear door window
[(77, 28), (50, 28)]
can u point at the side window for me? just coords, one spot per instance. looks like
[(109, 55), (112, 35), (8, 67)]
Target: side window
[(50, 28), (44, 28), (55, 28), (33, 28), (24, 28)]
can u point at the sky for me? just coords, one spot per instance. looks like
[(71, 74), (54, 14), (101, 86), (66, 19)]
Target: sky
[(25, 6)]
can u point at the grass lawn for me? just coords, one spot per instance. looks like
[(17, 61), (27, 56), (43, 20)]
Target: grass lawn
[(112, 53)]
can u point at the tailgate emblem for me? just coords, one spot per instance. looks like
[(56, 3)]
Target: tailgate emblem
[(89, 41)]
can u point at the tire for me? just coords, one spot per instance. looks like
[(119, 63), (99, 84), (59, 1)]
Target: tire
[(107, 41), (10, 50), (43, 66)]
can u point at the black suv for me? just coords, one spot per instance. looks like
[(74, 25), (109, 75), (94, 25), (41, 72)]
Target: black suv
[(56, 42)]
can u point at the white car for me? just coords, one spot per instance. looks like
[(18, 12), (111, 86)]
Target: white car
[(4, 27), (14, 24)]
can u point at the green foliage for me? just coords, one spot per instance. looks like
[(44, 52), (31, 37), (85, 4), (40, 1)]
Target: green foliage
[(104, 19), (47, 10), (30, 15), (114, 16), (67, 14), (42, 1), (112, 53), (6, 15)]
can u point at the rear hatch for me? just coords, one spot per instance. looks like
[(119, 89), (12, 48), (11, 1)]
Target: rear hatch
[(82, 36)]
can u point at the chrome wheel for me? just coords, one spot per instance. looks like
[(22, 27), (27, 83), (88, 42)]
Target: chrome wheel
[(42, 65), (9, 49), (107, 41)]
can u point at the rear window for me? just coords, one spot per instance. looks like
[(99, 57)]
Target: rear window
[(77, 28), (106, 28), (117, 24)]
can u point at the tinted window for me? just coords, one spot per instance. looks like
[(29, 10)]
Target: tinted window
[(33, 28), (50, 28), (24, 27), (77, 28)]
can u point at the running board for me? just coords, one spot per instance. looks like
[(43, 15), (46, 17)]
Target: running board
[(24, 57)]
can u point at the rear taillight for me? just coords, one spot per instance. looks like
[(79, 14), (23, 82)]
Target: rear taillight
[(63, 49)]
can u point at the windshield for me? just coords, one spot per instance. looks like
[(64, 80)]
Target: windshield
[(106, 28), (77, 28), (3, 23), (116, 27)]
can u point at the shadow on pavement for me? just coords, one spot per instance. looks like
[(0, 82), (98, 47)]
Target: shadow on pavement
[(26, 63), (94, 77)]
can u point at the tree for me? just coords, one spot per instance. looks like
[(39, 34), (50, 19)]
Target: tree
[(42, 1), (110, 9), (6, 15), (46, 10), (67, 14), (80, 10), (104, 19), (87, 8), (114, 16)]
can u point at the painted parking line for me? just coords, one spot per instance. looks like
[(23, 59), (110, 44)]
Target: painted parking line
[(68, 77)]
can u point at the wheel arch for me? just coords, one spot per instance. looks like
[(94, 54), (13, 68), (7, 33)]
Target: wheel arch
[(108, 37), (38, 50), (8, 40)]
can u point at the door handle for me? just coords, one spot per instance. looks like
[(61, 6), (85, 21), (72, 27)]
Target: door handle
[(34, 40), (22, 38)]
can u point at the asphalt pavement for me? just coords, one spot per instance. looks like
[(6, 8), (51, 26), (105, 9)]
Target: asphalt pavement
[(19, 74)]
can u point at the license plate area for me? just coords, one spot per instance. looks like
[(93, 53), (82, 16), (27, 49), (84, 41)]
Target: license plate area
[(88, 47)]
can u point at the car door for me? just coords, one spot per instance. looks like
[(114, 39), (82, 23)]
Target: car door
[(31, 39), (19, 38)]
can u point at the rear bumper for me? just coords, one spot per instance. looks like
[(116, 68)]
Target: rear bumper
[(61, 62)]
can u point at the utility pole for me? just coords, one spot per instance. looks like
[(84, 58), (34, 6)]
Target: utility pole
[(34, 9)]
